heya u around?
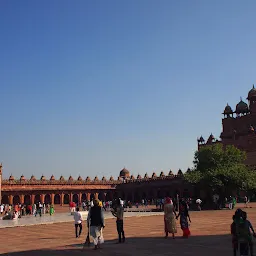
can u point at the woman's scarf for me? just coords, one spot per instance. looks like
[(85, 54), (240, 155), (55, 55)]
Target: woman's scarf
[(168, 200)]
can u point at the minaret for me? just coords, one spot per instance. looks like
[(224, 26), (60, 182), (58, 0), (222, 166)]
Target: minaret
[(1, 166)]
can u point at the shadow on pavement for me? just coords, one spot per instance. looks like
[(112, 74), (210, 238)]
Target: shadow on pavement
[(210, 245)]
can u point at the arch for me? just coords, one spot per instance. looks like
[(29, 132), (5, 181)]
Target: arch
[(101, 196), (75, 198), (47, 199), (84, 197), (5, 199), (16, 199), (57, 199), (92, 196), (37, 199), (66, 199), (151, 195), (115, 196), (129, 197), (27, 200), (109, 196)]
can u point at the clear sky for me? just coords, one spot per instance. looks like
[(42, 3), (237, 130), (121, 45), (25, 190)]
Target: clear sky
[(88, 87)]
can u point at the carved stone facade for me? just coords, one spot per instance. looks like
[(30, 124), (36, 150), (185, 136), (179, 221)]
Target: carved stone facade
[(239, 128), (63, 191)]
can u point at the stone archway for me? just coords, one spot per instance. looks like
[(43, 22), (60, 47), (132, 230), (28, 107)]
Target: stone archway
[(16, 199), (75, 198), (57, 199), (47, 199), (144, 196), (5, 199), (84, 197), (109, 196), (37, 199), (115, 196), (66, 199), (27, 200), (137, 197), (101, 196)]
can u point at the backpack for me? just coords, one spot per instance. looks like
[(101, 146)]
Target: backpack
[(242, 228)]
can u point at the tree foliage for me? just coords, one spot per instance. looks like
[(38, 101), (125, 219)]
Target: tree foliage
[(222, 169)]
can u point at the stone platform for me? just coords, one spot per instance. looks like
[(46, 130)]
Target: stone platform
[(60, 218)]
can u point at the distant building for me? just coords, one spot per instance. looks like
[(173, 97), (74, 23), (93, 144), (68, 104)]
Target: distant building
[(238, 128)]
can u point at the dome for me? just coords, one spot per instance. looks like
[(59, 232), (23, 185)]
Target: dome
[(162, 174), (70, 178), (228, 110), (180, 173), (33, 178), (52, 178), (242, 107), (252, 94), (154, 175), (79, 178), (124, 173), (201, 139), (96, 178), (132, 177), (22, 178), (111, 178), (62, 178), (139, 177), (170, 173), (188, 170), (119, 178), (88, 179), (11, 178), (42, 178), (146, 176), (103, 178)]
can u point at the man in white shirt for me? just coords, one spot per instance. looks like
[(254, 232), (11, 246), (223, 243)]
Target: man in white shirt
[(1, 209), (78, 222)]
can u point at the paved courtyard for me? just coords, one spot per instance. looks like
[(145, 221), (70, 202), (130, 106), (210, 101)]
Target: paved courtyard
[(210, 236)]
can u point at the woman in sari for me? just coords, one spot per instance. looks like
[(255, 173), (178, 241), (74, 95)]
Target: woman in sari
[(184, 217), (169, 218)]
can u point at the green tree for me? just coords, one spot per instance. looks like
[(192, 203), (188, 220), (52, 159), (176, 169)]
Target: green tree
[(223, 170)]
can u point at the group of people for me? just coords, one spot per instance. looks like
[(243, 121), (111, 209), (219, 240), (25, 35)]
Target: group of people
[(18, 210), (96, 222), (170, 218)]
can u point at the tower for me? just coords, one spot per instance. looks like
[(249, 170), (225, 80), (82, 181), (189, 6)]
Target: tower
[(1, 166)]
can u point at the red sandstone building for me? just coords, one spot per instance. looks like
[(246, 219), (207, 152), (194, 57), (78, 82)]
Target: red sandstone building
[(238, 128), (61, 191)]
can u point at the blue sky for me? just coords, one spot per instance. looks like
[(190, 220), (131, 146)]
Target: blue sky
[(88, 87)]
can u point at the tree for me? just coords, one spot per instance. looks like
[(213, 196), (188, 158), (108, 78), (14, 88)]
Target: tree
[(221, 169)]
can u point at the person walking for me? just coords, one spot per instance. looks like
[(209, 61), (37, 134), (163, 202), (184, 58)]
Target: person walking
[(118, 212), (78, 222), (169, 218), (95, 222)]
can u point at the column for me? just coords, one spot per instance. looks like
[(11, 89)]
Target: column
[(96, 196), (80, 198), (132, 197), (10, 199), (52, 199), (32, 199), (88, 196), (61, 199), (22, 199), (42, 198), (71, 197)]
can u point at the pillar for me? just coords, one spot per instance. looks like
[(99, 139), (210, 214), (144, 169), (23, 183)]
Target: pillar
[(52, 198), (70, 197), (10, 199), (32, 199), (61, 199), (42, 198), (80, 198), (88, 196), (22, 199), (96, 196), (132, 197)]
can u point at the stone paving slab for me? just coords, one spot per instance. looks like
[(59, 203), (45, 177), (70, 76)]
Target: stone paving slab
[(210, 236)]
